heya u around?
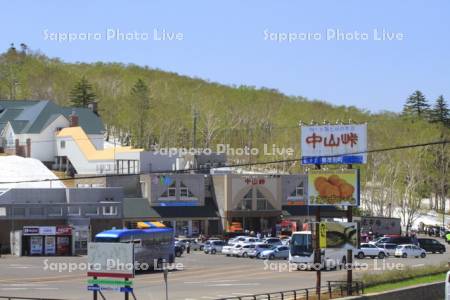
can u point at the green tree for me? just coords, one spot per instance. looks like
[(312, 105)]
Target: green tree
[(440, 112), (141, 103), (416, 105), (82, 93)]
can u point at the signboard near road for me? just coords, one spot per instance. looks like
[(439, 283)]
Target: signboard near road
[(111, 260), (333, 187), (334, 144), (338, 235)]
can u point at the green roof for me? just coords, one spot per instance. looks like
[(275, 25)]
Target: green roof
[(28, 116)]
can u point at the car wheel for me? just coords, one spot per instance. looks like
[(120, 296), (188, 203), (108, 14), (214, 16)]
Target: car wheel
[(441, 251), (404, 255), (433, 252), (360, 255), (228, 254), (213, 251), (258, 255), (381, 255), (201, 248), (271, 256), (244, 254), (423, 255), (178, 253)]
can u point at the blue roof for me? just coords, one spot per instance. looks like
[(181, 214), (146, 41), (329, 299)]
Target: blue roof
[(117, 233)]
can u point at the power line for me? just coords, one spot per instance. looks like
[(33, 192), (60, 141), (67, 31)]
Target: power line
[(443, 142)]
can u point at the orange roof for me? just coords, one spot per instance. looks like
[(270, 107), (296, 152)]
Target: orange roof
[(88, 149)]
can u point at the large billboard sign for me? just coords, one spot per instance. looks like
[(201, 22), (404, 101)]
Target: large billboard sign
[(111, 260), (334, 144), (333, 187)]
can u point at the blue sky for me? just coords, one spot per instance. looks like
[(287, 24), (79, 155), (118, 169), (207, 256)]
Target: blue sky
[(225, 42)]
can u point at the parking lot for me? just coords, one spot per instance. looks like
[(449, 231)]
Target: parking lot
[(203, 276)]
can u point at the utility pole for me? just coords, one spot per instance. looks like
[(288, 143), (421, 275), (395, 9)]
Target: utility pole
[(194, 136)]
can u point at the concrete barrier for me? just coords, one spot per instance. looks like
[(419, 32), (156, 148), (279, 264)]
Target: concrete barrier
[(430, 291)]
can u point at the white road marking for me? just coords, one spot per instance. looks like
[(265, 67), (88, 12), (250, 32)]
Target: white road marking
[(13, 289), (418, 265), (231, 284), (213, 281)]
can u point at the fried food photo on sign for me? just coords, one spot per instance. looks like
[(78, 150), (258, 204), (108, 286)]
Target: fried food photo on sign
[(334, 187)]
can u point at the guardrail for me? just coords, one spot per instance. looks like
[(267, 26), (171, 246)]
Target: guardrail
[(331, 290)]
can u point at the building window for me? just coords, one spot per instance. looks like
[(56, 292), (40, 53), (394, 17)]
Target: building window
[(170, 192), (261, 202), (18, 211), (246, 203), (109, 210), (53, 211), (185, 192), (73, 211), (2, 211), (91, 211), (299, 191), (62, 144), (36, 211)]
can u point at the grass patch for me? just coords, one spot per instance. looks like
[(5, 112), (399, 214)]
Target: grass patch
[(408, 273), (405, 283)]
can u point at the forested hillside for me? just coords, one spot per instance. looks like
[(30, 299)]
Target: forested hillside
[(160, 110)]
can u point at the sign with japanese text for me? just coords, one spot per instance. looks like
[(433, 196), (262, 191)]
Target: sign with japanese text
[(333, 187), (334, 144)]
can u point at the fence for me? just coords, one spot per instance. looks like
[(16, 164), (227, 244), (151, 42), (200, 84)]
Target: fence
[(331, 290)]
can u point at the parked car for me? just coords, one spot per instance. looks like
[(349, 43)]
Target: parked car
[(409, 250), (389, 248), (228, 249), (178, 250), (213, 246), (244, 250), (279, 252), (256, 251), (273, 241), (371, 251), (237, 239), (431, 245)]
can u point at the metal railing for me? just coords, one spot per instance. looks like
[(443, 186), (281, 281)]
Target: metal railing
[(333, 289)]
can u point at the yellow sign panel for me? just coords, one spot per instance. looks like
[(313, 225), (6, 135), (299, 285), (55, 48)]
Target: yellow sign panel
[(322, 235)]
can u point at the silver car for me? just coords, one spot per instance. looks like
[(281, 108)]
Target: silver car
[(213, 246), (277, 252)]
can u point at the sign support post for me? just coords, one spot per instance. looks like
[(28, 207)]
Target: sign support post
[(318, 254), (349, 256), (95, 293)]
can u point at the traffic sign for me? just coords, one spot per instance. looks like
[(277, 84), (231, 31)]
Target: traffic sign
[(110, 282)]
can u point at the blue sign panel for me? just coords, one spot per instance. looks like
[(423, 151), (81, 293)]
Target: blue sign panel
[(322, 160)]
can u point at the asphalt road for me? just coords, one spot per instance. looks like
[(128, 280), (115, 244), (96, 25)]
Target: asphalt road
[(203, 277)]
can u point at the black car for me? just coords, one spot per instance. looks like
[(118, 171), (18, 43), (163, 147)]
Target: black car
[(178, 250), (431, 245)]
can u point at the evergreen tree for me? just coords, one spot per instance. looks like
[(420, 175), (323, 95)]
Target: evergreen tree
[(440, 112), (416, 105), (82, 93), (141, 103)]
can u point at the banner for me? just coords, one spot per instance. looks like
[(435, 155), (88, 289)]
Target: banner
[(333, 187), (334, 144), (341, 235)]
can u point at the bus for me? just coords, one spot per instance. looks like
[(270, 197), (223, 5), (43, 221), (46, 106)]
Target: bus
[(302, 253), (152, 246)]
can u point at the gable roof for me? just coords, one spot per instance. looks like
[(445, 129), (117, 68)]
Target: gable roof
[(33, 116)]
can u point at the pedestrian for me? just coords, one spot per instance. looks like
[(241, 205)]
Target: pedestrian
[(188, 247)]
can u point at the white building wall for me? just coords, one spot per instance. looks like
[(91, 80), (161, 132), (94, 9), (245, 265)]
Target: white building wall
[(43, 144), (79, 161)]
